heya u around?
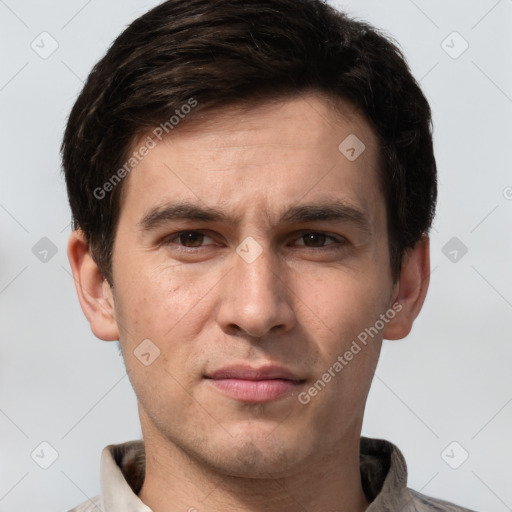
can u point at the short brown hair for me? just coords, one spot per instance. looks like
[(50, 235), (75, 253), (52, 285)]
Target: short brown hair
[(224, 52)]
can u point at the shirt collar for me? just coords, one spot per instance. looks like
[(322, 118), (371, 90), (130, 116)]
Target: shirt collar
[(121, 475)]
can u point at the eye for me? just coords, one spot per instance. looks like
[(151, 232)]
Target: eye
[(313, 240), (187, 239)]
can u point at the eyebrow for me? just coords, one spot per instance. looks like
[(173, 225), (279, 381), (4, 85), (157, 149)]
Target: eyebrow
[(313, 212)]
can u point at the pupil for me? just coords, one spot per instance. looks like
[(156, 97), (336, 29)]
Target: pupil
[(312, 237), (191, 239)]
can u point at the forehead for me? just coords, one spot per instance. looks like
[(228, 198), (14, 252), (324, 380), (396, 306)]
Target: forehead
[(261, 159)]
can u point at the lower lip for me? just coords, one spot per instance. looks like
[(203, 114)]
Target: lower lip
[(255, 390)]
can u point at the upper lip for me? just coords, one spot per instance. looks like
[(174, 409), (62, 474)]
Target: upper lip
[(245, 372)]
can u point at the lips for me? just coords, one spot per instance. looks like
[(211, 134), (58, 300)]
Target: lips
[(249, 384)]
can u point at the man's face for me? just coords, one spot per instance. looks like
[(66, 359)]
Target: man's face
[(251, 306)]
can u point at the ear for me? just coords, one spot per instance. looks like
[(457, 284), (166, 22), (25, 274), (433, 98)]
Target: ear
[(410, 291), (94, 292)]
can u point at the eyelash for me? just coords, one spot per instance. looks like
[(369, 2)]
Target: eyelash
[(339, 241)]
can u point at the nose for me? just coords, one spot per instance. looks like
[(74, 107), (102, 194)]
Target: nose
[(256, 299)]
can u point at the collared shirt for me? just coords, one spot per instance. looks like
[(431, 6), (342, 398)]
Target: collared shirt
[(382, 466)]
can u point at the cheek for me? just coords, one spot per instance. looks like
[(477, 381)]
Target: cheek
[(171, 307), (165, 308), (340, 308), (156, 298), (344, 303)]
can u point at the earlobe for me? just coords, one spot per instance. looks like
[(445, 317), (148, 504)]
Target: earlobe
[(94, 292), (410, 290)]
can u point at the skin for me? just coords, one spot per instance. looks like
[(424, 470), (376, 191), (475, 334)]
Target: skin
[(299, 304)]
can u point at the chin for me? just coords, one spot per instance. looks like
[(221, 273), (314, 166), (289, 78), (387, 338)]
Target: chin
[(261, 454), (249, 461)]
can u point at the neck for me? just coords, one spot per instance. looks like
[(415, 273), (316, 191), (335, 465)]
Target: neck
[(176, 481)]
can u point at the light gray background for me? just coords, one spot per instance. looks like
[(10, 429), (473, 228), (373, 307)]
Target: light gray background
[(450, 380)]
